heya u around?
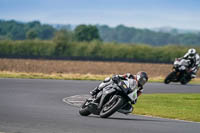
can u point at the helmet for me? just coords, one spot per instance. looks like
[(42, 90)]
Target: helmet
[(142, 78), (191, 52)]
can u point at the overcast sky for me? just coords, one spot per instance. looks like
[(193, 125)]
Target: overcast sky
[(184, 14)]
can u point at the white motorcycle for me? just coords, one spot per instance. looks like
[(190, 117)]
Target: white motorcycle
[(181, 72), (113, 97)]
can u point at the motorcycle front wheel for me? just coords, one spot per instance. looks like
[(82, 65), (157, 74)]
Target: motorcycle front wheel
[(84, 111), (170, 77), (114, 104)]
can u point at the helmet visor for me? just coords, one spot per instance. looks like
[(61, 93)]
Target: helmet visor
[(192, 55), (142, 80)]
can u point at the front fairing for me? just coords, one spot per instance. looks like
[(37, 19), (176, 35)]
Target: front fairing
[(121, 89), (181, 65), (129, 94), (124, 86)]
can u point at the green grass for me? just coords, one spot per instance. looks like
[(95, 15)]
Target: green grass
[(175, 106)]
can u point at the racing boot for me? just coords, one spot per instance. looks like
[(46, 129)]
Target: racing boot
[(99, 88), (193, 75)]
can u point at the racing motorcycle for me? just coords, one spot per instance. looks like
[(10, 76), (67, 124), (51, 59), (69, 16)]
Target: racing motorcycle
[(181, 73), (113, 98)]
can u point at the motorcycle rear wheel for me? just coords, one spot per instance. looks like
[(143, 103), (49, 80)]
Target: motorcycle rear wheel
[(111, 106), (184, 81)]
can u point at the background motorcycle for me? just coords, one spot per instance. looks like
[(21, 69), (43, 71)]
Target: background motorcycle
[(112, 98), (181, 73)]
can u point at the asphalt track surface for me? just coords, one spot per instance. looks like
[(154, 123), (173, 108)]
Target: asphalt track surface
[(36, 106)]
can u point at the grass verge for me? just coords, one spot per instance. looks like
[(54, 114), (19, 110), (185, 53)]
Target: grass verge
[(70, 76), (175, 106)]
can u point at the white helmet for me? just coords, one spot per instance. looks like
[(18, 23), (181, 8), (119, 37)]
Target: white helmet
[(191, 52)]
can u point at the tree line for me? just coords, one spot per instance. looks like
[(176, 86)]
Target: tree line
[(14, 30), (123, 34), (85, 42)]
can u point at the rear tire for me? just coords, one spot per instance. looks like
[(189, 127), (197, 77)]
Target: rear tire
[(84, 111), (169, 77), (109, 110), (185, 80)]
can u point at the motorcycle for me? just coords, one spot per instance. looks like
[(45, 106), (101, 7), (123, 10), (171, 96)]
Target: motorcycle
[(113, 98), (181, 73)]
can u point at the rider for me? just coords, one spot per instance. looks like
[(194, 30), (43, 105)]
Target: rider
[(194, 58), (136, 81)]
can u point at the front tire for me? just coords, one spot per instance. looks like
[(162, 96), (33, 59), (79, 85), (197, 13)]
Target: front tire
[(169, 77), (111, 106), (84, 111)]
